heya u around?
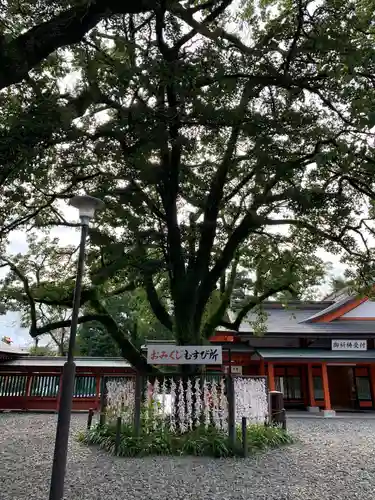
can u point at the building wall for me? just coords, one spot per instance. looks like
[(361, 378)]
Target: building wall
[(258, 342), (366, 310)]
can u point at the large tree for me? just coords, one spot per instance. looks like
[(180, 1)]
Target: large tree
[(208, 130)]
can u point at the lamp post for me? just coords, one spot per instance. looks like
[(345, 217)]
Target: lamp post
[(86, 205)]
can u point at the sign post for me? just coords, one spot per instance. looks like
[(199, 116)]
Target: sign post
[(197, 355), (184, 355)]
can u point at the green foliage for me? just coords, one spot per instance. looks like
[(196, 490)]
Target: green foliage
[(94, 340), (132, 313), (199, 442), (263, 437), (42, 351), (341, 284), (274, 263), (254, 143)]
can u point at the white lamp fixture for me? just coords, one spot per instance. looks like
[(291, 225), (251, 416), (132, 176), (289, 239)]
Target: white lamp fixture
[(86, 205)]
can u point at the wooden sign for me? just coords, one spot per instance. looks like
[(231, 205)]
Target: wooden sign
[(184, 355), (349, 345)]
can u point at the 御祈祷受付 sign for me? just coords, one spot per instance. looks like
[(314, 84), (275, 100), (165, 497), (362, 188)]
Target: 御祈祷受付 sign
[(349, 345), (184, 355)]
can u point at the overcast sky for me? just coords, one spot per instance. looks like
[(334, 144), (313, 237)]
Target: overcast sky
[(10, 323)]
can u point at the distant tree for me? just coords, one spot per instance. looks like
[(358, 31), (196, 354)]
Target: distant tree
[(37, 350), (44, 260), (271, 262), (353, 283), (94, 340), (132, 313), (339, 284)]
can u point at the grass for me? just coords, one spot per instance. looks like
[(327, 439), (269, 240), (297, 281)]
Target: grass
[(199, 442)]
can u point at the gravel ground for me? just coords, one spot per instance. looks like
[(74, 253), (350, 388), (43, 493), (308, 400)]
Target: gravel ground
[(334, 459)]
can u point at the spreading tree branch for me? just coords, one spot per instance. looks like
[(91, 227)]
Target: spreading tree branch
[(292, 52), (217, 317), (21, 54), (128, 350), (330, 236), (255, 301), (86, 295), (157, 307), (170, 153), (26, 286), (214, 34), (207, 20), (36, 331)]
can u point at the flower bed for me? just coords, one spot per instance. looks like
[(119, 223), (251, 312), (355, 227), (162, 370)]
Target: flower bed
[(202, 441)]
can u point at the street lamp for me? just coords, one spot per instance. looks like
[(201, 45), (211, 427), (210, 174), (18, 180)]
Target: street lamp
[(86, 205)]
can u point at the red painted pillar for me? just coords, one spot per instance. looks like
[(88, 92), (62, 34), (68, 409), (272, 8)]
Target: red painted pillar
[(271, 377), (262, 368), (372, 383), (327, 397), (27, 390), (97, 385), (310, 383)]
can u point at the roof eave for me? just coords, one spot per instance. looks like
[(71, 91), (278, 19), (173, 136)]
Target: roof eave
[(313, 355), (336, 335)]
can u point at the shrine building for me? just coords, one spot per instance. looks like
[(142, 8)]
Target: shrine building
[(320, 355)]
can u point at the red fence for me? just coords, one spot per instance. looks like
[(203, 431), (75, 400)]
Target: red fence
[(41, 391)]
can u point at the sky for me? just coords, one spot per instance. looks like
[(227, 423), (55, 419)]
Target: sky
[(10, 323)]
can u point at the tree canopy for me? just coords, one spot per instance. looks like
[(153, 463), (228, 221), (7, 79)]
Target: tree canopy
[(132, 313), (225, 138)]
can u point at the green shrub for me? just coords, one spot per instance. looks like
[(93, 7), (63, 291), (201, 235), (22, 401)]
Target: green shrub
[(261, 437), (203, 441)]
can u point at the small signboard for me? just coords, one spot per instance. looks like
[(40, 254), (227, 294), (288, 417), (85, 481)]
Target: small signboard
[(349, 345), (184, 355), (235, 370)]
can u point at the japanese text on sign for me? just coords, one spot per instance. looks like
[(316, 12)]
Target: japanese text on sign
[(349, 345), (184, 355)]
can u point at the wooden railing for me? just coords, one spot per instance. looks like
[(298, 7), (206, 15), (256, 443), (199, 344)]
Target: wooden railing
[(41, 391), (44, 386), (13, 385)]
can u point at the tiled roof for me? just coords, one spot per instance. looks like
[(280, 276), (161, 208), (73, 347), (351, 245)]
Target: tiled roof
[(333, 307), (57, 361), (10, 350), (307, 307), (292, 321)]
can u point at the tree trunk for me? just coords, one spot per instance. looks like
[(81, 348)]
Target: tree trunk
[(186, 330)]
